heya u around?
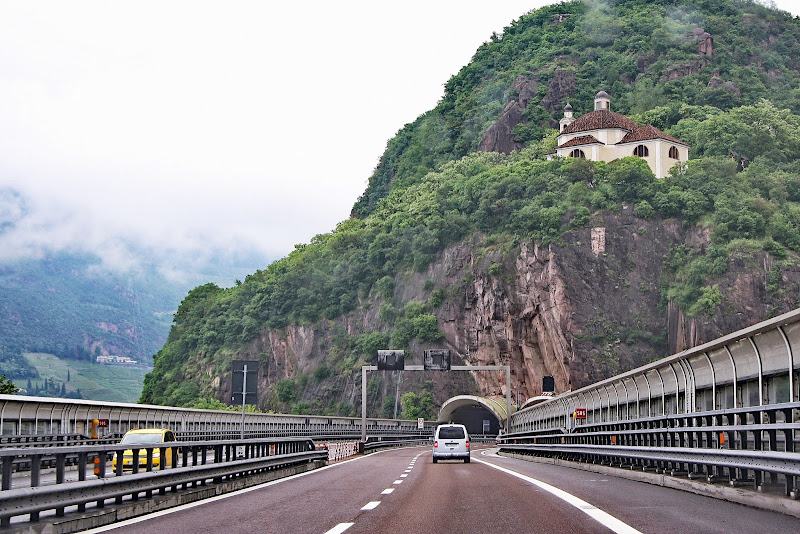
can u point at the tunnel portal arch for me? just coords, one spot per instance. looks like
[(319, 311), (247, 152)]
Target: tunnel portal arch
[(474, 412)]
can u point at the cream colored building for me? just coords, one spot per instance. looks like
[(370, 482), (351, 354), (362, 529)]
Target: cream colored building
[(603, 135)]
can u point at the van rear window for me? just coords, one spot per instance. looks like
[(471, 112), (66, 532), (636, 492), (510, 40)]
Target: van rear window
[(454, 432)]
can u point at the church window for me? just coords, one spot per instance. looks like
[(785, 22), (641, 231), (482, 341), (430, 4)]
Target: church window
[(641, 151), (577, 153), (673, 152)]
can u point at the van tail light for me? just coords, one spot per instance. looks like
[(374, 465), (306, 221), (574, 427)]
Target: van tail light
[(435, 444), (468, 444)]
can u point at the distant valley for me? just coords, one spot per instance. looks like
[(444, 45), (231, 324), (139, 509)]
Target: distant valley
[(61, 313)]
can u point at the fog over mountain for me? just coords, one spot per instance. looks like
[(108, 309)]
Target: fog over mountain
[(186, 133)]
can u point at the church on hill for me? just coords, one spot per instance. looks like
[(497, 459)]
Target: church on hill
[(603, 135)]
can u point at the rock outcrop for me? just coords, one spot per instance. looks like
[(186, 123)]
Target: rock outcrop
[(580, 311), (499, 137)]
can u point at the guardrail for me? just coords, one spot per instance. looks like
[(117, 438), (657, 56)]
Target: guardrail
[(726, 410), (370, 446), (192, 463), (23, 415)]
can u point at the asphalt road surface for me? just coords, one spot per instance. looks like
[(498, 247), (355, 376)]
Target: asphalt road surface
[(402, 491)]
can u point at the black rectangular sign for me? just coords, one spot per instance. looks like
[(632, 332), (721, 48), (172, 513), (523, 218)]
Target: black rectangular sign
[(237, 378), (437, 360), (391, 360), (548, 384)]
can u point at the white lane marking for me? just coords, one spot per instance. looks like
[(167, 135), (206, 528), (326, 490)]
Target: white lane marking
[(403, 475), (397, 482), (174, 509), (338, 529), (604, 518), (387, 491), (371, 505)]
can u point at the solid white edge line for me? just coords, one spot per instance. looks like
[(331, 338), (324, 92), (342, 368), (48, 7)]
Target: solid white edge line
[(174, 509), (604, 518), (371, 505), (338, 529)]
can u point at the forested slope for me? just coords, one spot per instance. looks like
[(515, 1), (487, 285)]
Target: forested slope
[(494, 255)]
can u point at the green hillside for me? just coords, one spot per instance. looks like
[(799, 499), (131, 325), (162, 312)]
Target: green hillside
[(67, 305), (85, 380), (643, 52), (737, 108)]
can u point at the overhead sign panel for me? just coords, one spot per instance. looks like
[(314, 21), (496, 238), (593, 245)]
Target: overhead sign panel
[(437, 360), (391, 360)]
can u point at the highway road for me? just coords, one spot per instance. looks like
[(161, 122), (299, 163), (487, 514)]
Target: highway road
[(401, 490)]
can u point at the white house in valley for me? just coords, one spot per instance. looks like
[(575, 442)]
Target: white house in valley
[(603, 135)]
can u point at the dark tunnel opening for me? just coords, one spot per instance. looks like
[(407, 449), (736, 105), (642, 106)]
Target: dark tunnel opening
[(477, 419)]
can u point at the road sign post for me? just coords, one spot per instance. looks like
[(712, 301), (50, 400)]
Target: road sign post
[(244, 382), (388, 361)]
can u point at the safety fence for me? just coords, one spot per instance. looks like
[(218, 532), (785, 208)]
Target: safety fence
[(166, 467), (31, 416), (728, 410), (340, 450)]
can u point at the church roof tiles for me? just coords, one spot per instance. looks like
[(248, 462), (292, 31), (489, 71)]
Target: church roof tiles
[(598, 120), (645, 133), (580, 140)]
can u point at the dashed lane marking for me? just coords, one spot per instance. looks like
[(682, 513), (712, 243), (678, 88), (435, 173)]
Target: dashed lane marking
[(604, 518), (195, 504), (387, 491), (371, 505), (397, 482), (338, 529)]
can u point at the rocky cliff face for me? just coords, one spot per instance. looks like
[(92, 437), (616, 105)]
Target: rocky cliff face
[(585, 309)]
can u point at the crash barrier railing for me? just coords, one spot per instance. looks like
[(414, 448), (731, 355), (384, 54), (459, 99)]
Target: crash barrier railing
[(725, 410), (483, 438), (44, 440), (167, 466), (22, 415), (399, 441), (339, 450), (713, 446)]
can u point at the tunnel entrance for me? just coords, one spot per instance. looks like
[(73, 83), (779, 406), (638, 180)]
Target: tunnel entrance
[(477, 419), (480, 415)]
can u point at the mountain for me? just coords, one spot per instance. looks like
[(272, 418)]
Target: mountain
[(469, 238), (71, 305)]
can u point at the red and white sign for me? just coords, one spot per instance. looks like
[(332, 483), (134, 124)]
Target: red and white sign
[(420, 423), (580, 413), (102, 423)]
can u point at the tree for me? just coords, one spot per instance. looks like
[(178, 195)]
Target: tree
[(7, 386), (285, 390), (415, 406)]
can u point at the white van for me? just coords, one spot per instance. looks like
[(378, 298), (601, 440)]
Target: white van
[(451, 441)]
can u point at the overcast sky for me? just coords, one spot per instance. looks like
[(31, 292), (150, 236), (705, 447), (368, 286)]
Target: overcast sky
[(196, 126)]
